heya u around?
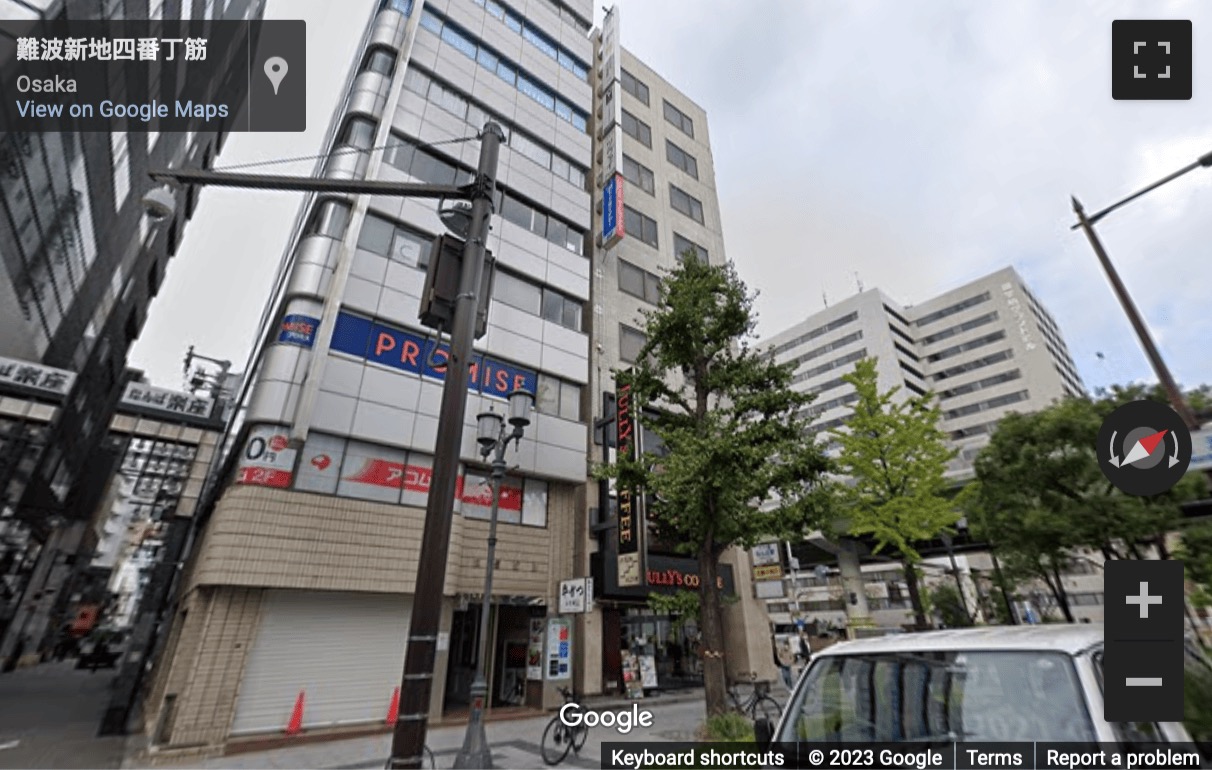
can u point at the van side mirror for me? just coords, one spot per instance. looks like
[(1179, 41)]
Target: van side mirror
[(763, 732)]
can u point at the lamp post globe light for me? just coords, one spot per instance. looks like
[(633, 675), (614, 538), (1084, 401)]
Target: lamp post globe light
[(494, 437)]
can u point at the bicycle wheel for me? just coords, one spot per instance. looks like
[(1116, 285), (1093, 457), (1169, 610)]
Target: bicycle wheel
[(579, 734), (429, 759), (766, 708), (556, 742)]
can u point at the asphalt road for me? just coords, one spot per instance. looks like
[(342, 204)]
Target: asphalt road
[(49, 716)]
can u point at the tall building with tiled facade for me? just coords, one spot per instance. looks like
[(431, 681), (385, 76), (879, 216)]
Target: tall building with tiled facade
[(302, 582), (655, 202)]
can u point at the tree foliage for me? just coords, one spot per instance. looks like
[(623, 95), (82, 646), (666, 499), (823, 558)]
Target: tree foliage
[(737, 463), (893, 459)]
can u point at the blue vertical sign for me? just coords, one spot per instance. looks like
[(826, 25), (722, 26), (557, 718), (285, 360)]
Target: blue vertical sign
[(612, 204)]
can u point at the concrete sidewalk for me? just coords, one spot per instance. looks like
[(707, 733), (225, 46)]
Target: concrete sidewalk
[(515, 743)]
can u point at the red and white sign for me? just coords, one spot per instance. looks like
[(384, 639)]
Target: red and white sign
[(373, 472), (267, 460), (475, 493)]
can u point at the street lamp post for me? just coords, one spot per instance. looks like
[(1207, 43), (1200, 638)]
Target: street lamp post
[(1086, 224), (494, 437)]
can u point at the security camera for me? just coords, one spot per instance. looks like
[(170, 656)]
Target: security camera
[(160, 204)]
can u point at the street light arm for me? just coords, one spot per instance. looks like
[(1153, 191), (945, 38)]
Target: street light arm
[(1205, 161), (311, 184)]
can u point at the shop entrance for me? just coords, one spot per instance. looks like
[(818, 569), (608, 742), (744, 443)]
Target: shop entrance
[(662, 644), (509, 633)]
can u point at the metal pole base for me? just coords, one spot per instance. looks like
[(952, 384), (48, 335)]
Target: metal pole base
[(476, 753)]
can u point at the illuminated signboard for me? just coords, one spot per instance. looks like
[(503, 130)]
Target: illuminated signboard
[(630, 501)]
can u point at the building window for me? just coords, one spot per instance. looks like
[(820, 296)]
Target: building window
[(639, 175), (640, 226), (685, 203), (120, 149), (631, 342), (637, 129), (535, 37), (388, 239), (379, 60), (679, 119), (557, 397), (562, 310), (953, 309), (958, 369), (683, 246), (634, 87), (955, 350), (966, 326), (988, 382), (984, 406), (639, 283), (516, 292), (681, 159), (359, 133)]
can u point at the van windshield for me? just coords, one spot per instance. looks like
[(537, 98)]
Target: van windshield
[(940, 696)]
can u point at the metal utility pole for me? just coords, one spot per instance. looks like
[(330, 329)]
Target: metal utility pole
[(1125, 300), (1138, 323), (408, 736)]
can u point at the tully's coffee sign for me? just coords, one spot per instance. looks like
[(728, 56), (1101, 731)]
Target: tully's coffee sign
[(631, 520), (676, 578)]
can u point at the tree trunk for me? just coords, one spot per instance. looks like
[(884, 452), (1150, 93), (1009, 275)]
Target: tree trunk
[(915, 597), (1162, 551), (711, 624), (1058, 591)]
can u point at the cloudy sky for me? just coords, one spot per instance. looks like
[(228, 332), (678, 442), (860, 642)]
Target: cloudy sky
[(910, 145)]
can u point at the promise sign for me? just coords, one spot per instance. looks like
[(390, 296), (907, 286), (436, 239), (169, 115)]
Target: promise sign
[(631, 513)]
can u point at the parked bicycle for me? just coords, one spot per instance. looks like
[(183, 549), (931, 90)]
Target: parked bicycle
[(559, 738), (757, 704)]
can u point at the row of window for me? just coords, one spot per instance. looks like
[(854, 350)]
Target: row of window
[(984, 406), (898, 331), (503, 68), (836, 363), (840, 342), (800, 340), (896, 315), (427, 166), (826, 386), (476, 115), (543, 301), (365, 471), (988, 382), (964, 347), (631, 342), (818, 409), (953, 309), (910, 370), (637, 129), (683, 246), (639, 175), (906, 352), (970, 366), (535, 37), (966, 326), (681, 159), (974, 430), (640, 226), (639, 282), (914, 388)]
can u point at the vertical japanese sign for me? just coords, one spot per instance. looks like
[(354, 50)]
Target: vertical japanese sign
[(613, 228), (559, 649), (630, 501)]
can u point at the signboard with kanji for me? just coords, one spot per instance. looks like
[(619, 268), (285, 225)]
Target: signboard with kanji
[(30, 376), (163, 400), (576, 596)]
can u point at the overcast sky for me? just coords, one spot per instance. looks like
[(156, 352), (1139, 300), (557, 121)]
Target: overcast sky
[(917, 144)]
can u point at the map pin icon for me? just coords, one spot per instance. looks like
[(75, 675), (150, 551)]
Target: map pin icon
[(275, 70)]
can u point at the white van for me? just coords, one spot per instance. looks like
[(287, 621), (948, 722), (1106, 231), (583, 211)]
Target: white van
[(1003, 683)]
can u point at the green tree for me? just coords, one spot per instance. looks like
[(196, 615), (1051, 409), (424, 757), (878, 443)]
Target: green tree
[(738, 464), (950, 607), (1196, 556), (893, 457)]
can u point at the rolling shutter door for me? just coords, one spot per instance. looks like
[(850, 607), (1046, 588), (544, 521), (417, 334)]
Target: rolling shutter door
[(344, 651)]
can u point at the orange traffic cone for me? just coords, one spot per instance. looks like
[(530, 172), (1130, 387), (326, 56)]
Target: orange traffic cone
[(393, 710), (295, 725)]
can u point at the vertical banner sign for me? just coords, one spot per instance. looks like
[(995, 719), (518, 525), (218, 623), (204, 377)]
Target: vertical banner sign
[(559, 649), (631, 519), (613, 228), (534, 652)]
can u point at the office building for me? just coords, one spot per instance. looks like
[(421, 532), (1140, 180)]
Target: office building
[(655, 202), (985, 349), (79, 266), (302, 582)]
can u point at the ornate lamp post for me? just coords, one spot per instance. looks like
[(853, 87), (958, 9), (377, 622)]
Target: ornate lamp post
[(494, 437)]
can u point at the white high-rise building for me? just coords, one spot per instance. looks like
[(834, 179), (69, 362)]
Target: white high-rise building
[(985, 349)]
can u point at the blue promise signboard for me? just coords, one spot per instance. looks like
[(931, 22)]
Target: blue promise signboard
[(410, 352), (298, 330), (612, 208)]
